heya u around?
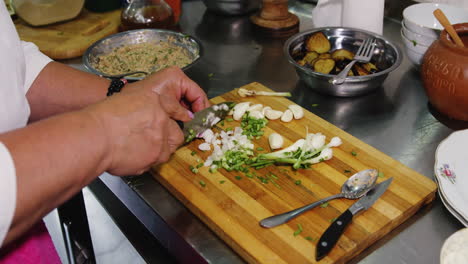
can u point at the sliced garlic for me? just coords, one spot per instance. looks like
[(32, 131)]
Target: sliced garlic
[(287, 116), (240, 109), (276, 141), (297, 111), (265, 108), (255, 107), (273, 114), (204, 146), (256, 114)]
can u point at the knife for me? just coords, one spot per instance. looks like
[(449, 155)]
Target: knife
[(336, 229), (204, 119)]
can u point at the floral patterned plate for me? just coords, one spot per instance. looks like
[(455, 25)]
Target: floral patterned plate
[(451, 171)]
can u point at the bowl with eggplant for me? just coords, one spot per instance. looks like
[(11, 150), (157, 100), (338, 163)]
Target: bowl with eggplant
[(318, 55)]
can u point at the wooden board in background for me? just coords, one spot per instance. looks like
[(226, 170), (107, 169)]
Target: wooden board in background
[(70, 39), (233, 209)]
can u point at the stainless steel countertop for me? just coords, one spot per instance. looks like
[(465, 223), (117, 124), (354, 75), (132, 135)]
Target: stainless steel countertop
[(396, 119)]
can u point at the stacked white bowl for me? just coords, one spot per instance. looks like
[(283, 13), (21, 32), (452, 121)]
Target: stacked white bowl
[(420, 28)]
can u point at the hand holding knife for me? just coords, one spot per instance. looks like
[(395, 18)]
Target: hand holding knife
[(204, 119), (329, 238)]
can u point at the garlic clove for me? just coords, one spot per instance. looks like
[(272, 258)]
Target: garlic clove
[(240, 109), (287, 116), (297, 111), (276, 141), (255, 107), (204, 146), (265, 108), (273, 114), (256, 114)]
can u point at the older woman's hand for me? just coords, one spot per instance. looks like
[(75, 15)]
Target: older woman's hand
[(139, 130), (173, 82)]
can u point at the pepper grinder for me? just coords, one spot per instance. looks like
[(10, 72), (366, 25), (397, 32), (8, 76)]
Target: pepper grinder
[(275, 20)]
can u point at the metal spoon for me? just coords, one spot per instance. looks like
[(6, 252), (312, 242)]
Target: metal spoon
[(353, 188)]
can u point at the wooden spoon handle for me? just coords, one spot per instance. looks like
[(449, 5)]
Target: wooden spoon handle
[(446, 24)]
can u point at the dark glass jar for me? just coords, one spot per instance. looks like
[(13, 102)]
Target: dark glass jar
[(147, 14)]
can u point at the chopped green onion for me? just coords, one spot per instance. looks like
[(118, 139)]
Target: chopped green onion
[(238, 178), (298, 230), (221, 182), (353, 153), (347, 171), (324, 205), (193, 153), (381, 174), (310, 238), (229, 119), (202, 183), (298, 182), (260, 149)]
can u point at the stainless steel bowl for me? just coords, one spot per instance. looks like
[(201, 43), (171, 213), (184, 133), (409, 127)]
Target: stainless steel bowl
[(232, 7), (132, 37), (387, 57)]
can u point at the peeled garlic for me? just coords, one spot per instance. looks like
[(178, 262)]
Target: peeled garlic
[(297, 111), (256, 114), (287, 116), (204, 146), (275, 140), (273, 114), (264, 109), (255, 107), (240, 109)]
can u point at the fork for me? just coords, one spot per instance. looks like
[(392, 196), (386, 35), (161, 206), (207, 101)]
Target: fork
[(364, 54)]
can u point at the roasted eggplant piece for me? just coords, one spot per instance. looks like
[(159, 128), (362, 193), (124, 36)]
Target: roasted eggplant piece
[(370, 67), (358, 70), (342, 54), (324, 66), (325, 56), (318, 42)]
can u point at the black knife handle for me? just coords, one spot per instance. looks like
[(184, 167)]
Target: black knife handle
[(332, 234)]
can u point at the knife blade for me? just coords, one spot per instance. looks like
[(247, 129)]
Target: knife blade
[(333, 233), (204, 119)]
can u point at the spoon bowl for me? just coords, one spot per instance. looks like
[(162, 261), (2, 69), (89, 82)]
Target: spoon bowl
[(354, 187), (359, 184)]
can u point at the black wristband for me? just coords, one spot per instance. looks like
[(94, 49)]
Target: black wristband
[(116, 85)]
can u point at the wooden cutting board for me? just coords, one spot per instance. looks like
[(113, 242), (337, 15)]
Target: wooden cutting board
[(233, 207), (70, 39)]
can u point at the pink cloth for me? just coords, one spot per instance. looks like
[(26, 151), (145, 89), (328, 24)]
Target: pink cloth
[(34, 247)]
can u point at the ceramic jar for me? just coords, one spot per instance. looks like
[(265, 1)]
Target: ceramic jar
[(444, 74)]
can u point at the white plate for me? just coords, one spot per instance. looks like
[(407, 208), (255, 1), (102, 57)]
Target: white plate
[(455, 248), (450, 209), (451, 171)]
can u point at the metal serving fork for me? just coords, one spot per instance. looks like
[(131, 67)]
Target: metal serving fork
[(364, 54)]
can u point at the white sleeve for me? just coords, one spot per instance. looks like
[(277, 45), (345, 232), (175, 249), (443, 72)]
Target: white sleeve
[(7, 191), (35, 62)]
